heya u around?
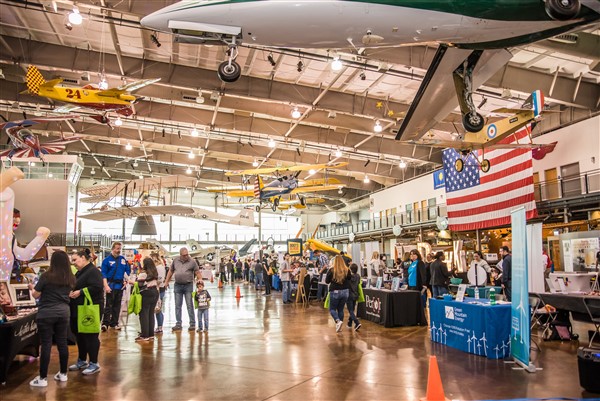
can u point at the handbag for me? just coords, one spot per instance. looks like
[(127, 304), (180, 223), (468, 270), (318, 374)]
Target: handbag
[(361, 294), (135, 301), (88, 315), (326, 304), (158, 306), (270, 271)]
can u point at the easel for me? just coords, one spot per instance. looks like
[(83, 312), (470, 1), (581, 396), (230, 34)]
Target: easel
[(301, 293)]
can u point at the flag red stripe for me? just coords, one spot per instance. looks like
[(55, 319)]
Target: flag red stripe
[(501, 221), (517, 168), (506, 155), (493, 206), (517, 136), (490, 192)]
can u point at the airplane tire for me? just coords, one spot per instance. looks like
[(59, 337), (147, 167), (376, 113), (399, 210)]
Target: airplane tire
[(563, 10), (274, 207), (459, 165), (303, 201), (473, 122), (257, 208), (485, 165), (275, 203), (229, 73)]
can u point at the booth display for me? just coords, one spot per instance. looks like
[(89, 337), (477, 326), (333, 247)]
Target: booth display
[(392, 308), (474, 327), (18, 336)]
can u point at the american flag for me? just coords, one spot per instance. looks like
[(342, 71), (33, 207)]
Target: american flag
[(475, 199)]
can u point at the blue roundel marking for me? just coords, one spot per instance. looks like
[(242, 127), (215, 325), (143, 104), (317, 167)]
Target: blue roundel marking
[(491, 131)]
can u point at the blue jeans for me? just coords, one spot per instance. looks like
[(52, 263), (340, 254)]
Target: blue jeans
[(321, 292), (203, 319), (337, 302), (351, 305), (439, 290), (286, 291), (160, 316), (258, 281), (184, 290)]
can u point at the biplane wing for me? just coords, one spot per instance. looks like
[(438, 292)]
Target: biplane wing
[(284, 169)]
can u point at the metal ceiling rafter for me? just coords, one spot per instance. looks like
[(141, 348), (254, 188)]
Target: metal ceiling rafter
[(115, 37)]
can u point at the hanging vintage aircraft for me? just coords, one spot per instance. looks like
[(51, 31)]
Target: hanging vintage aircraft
[(491, 135), (118, 100), (27, 144), (472, 37)]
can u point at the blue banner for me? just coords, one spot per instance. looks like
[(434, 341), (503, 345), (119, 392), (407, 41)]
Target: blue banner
[(439, 179), (520, 319)]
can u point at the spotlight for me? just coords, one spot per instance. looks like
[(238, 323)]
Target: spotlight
[(135, 164), (377, 128), (141, 177), (194, 132), (300, 66), (69, 26), (366, 180), (191, 155), (255, 163), (402, 164), (118, 122), (103, 84), (296, 113), (271, 143), (338, 153), (362, 76), (128, 146), (188, 170), (32, 164), (154, 39), (74, 17), (340, 191), (271, 60), (336, 64), (50, 175), (312, 171), (93, 172)]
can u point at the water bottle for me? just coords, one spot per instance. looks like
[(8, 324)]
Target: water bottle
[(476, 292), (492, 296)]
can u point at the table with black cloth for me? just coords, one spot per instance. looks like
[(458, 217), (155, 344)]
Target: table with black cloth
[(568, 302), (392, 308), (18, 336), (471, 326)]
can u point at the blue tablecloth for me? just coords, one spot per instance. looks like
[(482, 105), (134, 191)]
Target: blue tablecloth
[(477, 328), (484, 292)]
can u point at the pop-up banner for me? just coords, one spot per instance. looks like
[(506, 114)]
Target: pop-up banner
[(295, 246)]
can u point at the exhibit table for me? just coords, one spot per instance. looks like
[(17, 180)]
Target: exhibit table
[(568, 302), (392, 308), (18, 336), (484, 292), (471, 326)]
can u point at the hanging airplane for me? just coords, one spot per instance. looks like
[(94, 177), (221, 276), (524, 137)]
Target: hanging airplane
[(279, 170), (491, 135), (27, 144), (118, 100), (472, 37)]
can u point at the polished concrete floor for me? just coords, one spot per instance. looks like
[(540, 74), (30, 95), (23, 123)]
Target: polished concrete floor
[(259, 349)]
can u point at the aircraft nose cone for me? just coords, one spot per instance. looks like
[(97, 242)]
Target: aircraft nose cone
[(156, 21)]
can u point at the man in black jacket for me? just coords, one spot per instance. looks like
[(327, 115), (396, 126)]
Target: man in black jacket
[(506, 271)]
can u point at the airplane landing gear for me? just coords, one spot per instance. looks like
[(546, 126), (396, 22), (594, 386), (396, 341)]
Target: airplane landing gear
[(485, 165), (562, 10), (257, 208), (473, 121), (459, 165), (230, 71), (463, 82)]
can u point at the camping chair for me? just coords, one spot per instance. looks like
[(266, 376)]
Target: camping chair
[(592, 305)]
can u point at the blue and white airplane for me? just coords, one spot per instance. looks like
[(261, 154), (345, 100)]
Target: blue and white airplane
[(473, 36)]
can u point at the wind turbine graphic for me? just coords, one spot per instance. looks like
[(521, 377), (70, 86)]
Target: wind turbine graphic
[(497, 349), (484, 340)]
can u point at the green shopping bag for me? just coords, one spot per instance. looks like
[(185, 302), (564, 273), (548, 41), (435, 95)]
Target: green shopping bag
[(361, 294), (326, 304), (135, 301), (88, 315), (195, 300)]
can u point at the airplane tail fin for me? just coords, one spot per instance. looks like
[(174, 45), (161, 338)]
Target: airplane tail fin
[(246, 216), (258, 186), (193, 245), (536, 102), (34, 79)]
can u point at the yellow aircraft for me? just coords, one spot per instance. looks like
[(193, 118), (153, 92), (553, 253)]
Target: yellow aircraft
[(118, 100), (492, 135)]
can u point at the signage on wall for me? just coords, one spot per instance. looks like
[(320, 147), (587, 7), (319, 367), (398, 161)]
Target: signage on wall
[(439, 179), (294, 247)]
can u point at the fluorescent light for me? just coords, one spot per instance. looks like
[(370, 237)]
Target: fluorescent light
[(74, 17), (296, 113), (128, 146), (366, 180), (118, 122), (402, 164), (271, 143), (377, 127), (255, 163), (194, 132), (336, 64)]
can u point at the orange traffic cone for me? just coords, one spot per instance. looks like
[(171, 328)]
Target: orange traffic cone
[(237, 293), (212, 279), (435, 390), (220, 284)]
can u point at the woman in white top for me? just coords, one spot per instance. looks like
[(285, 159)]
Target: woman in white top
[(478, 260), (162, 273), (374, 268)]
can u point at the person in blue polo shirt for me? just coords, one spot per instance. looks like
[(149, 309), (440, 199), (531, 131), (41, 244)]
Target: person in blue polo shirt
[(114, 268)]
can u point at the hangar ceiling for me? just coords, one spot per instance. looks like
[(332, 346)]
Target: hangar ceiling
[(228, 126)]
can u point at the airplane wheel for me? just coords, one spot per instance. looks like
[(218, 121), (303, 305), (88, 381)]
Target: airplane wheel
[(274, 207), (562, 10), (473, 122), (229, 73), (485, 165), (275, 203), (257, 208), (459, 165), (303, 201)]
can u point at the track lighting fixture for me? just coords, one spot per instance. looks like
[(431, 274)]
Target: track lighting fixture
[(377, 128), (128, 146), (118, 122), (194, 132), (336, 64), (296, 113), (366, 180), (191, 155), (402, 164), (154, 39), (271, 143), (300, 66), (255, 163), (188, 170), (271, 60), (338, 153), (69, 26), (74, 17)]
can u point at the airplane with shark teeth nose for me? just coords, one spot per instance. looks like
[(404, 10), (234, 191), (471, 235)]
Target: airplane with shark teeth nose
[(473, 36)]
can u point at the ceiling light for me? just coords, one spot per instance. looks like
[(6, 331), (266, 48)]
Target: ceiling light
[(377, 127), (135, 163), (255, 163), (118, 122), (74, 17), (194, 132), (300, 66), (189, 170), (340, 191), (186, 191), (128, 146), (103, 84), (296, 113), (366, 180), (50, 175), (312, 171), (402, 164), (362, 76), (93, 172), (271, 60), (141, 177), (32, 164), (271, 143), (338, 153), (191, 155), (336, 64)]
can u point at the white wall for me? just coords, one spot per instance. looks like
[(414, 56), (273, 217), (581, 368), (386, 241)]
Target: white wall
[(412, 191)]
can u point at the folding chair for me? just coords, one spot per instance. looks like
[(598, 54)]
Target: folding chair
[(534, 303), (592, 305), (545, 315)]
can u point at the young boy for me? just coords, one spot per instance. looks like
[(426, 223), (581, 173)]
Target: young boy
[(203, 302)]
